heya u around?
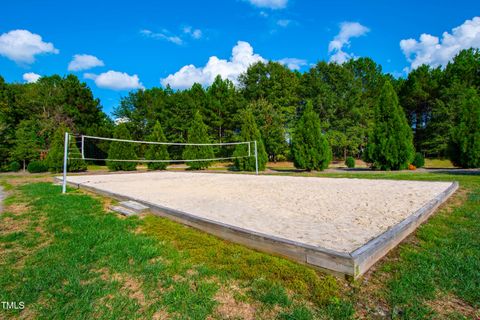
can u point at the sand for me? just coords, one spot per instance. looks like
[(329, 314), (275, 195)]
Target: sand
[(337, 214)]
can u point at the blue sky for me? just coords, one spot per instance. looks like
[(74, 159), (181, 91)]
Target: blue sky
[(145, 43)]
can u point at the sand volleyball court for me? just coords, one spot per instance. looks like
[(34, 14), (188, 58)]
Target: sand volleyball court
[(324, 222)]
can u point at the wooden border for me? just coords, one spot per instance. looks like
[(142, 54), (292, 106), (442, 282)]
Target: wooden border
[(352, 264)]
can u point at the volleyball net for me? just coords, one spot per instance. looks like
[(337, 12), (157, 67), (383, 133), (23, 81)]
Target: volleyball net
[(103, 150)]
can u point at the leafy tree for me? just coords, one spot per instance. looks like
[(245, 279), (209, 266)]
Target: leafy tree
[(310, 147), (465, 142), (198, 134), (27, 143), (390, 147), (120, 150), (249, 132), (157, 151), (55, 154)]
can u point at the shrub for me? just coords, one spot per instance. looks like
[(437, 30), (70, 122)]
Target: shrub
[(37, 166), (55, 154), (350, 162), (157, 151), (250, 132), (121, 150), (419, 160), (390, 146), (198, 133), (14, 166), (310, 147)]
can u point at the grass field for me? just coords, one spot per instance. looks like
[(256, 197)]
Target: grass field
[(69, 257)]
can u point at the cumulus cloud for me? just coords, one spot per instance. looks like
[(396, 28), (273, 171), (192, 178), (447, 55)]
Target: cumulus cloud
[(435, 52), (84, 62), (293, 63), (336, 47), (164, 35), (271, 4), (242, 57), (115, 80), (22, 46), (31, 77)]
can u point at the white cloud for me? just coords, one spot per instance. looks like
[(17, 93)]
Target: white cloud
[(115, 80), (84, 62), (242, 57), (194, 33), (22, 46), (271, 4), (284, 22), (31, 77), (435, 52), (164, 35), (293, 63), (348, 30)]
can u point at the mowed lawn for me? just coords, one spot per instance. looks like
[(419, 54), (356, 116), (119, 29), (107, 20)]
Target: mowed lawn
[(68, 257)]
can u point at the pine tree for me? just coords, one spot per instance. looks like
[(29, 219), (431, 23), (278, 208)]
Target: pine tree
[(250, 132), (390, 146), (464, 146), (157, 151), (27, 143), (310, 147), (55, 154), (121, 150), (198, 133)]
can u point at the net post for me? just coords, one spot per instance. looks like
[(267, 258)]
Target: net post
[(65, 158), (83, 147), (249, 154), (256, 158)]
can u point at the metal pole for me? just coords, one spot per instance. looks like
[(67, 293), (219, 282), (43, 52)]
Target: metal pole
[(65, 158), (256, 158), (83, 146), (249, 148)]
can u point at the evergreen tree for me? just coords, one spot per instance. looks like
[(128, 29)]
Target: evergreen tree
[(27, 143), (465, 142), (121, 150), (390, 147), (250, 132), (55, 154), (310, 147), (198, 133), (157, 151)]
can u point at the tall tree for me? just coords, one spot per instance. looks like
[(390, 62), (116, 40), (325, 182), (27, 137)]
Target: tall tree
[(120, 150), (27, 143), (249, 132), (156, 151), (465, 142), (390, 147), (198, 134), (56, 151), (310, 147)]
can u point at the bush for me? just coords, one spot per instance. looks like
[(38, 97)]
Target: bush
[(310, 147), (14, 166), (419, 160), (390, 146), (250, 132), (55, 154), (198, 133), (350, 162), (157, 151), (37, 166), (121, 150)]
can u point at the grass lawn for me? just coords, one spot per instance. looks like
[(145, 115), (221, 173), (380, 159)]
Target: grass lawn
[(67, 256)]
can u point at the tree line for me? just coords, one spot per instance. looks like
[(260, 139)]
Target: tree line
[(351, 109)]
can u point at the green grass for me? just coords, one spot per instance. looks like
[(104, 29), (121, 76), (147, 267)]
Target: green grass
[(438, 163), (71, 259)]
